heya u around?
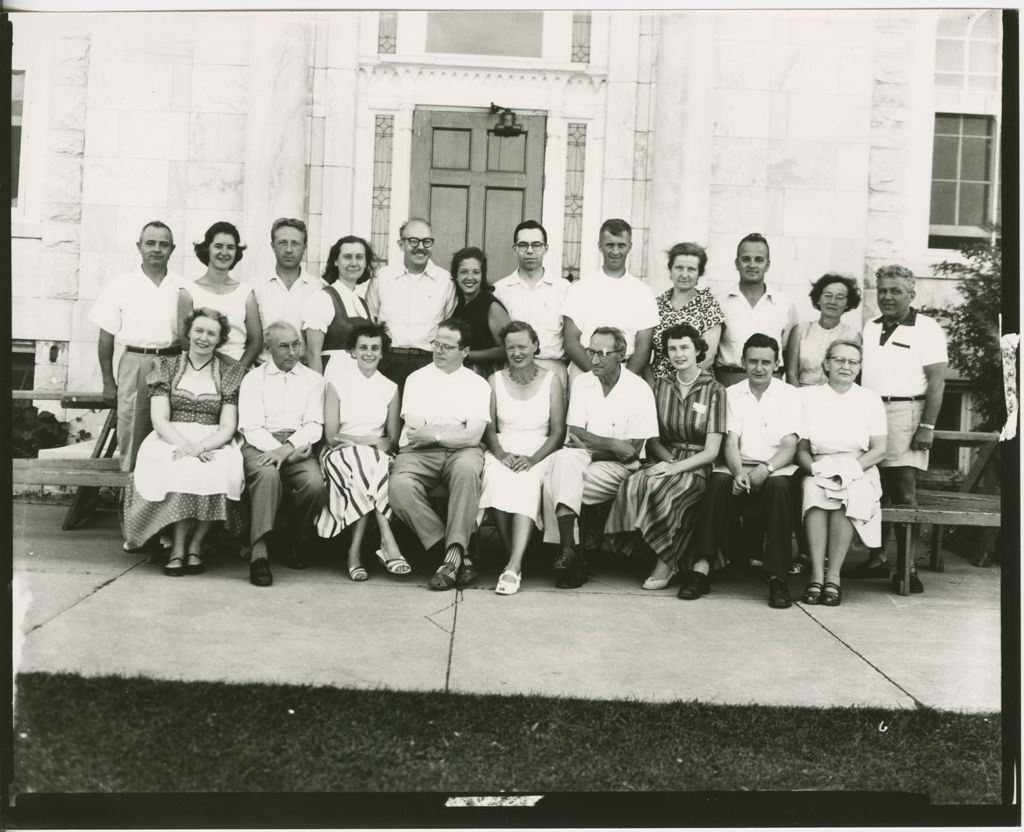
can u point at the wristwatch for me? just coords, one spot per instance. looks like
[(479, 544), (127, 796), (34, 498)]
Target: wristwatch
[(769, 466)]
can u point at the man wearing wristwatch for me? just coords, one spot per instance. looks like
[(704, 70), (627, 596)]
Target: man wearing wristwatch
[(446, 407), (763, 425), (905, 363)]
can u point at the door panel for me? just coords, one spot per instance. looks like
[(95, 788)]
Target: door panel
[(473, 186)]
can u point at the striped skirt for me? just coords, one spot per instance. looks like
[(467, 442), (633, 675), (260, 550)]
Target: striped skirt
[(357, 484)]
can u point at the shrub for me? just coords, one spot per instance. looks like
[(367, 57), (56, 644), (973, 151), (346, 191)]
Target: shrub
[(32, 430)]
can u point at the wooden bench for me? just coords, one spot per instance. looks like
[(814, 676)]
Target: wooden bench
[(948, 508)]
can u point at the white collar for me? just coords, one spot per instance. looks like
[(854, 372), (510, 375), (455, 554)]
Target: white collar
[(271, 369)]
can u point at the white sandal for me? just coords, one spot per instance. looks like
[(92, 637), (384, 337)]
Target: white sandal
[(396, 566), (508, 583), (659, 583)]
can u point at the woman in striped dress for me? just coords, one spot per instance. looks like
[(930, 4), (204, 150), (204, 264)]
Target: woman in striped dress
[(656, 508), (361, 427)]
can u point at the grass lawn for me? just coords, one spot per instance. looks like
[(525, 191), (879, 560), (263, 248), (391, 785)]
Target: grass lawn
[(117, 735)]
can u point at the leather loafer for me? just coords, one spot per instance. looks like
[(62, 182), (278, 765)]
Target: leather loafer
[(778, 594), (259, 573), (466, 574), (693, 585)]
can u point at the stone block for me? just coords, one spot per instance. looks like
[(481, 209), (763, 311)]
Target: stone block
[(775, 211), (220, 89), (130, 221), (893, 43), (747, 25), (62, 212), (316, 184), (721, 249), (150, 38), (337, 200), (181, 88), (82, 329), (617, 198), (620, 134), (831, 118), (852, 165), (891, 138), (896, 68), (738, 161), (317, 245), (836, 28), (807, 259), (59, 272), (318, 99), (846, 255), (130, 84), (887, 201), (25, 276), (41, 318), (623, 57), (890, 118), (62, 237), (742, 113), (66, 110), (803, 68), (824, 213), (43, 356), (76, 75), (638, 216), (223, 39), (646, 54), (84, 374), (883, 232), (795, 164), (65, 142), (139, 182), (213, 185), (644, 100), (177, 184), (742, 64), (855, 70), (343, 40), (101, 126), (888, 169), (641, 170), (318, 127), (69, 51), (216, 137), (152, 135), (738, 210), (891, 94), (64, 179), (339, 126)]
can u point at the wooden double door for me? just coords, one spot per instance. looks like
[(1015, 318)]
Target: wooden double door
[(475, 186)]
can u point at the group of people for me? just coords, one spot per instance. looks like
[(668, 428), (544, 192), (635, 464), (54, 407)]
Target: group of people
[(713, 427)]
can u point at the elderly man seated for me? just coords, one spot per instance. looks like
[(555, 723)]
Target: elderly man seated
[(611, 415), (446, 407), (763, 424), (281, 416)]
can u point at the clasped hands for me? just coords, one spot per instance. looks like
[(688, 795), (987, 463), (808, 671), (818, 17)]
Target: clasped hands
[(516, 462), (282, 454), (750, 480), (196, 449)]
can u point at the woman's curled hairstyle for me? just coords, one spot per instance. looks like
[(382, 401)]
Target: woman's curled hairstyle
[(331, 269), (213, 315), (685, 331), (202, 249)]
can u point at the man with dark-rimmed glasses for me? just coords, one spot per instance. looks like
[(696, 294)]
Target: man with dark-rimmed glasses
[(411, 299)]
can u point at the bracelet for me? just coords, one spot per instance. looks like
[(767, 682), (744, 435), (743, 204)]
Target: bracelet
[(923, 425)]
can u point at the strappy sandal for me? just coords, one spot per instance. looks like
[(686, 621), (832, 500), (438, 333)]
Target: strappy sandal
[(194, 568), (358, 574), (396, 566), (812, 593), (444, 577), (801, 563), (508, 583), (831, 594), (175, 571)]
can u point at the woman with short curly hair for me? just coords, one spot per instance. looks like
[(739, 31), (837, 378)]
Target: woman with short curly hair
[(832, 294)]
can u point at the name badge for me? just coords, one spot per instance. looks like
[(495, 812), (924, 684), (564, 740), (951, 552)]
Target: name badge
[(700, 408)]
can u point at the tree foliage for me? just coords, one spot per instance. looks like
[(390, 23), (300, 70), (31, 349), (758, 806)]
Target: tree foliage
[(32, 429)]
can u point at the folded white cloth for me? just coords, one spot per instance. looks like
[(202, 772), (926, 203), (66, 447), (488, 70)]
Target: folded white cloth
[(838, 480)]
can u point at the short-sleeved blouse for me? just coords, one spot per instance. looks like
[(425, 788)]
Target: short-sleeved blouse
[(362, 402), (684, 421), (814, 342), (702, 313), (203, 409), (836, 423)]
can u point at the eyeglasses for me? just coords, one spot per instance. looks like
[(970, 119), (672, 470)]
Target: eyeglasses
[(440, 346), (837, 298), (525, 247), (846, 362), (415, 242), (603, 353)]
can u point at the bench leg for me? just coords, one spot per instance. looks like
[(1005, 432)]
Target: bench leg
[(937, 562), (86, 497), (905, 559)]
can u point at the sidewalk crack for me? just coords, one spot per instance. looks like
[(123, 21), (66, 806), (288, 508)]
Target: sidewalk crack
[(95, 589), (451, 642)]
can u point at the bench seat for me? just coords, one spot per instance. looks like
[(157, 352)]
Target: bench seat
[(90, 472)]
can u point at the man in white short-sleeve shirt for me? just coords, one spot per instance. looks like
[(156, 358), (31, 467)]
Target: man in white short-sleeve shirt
[(611, 297), (905, 362), (446, 407), (763, 425), (281, 295), (611, 415), (138, 311), (411, 299), (532, 295), (751, 306)]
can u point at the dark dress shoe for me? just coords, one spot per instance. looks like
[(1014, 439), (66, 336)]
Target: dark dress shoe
[(293, 560), (778, 594), (571, 573), (259, 573), (863, 570), (915, 583), (467, 573), (693, 585)]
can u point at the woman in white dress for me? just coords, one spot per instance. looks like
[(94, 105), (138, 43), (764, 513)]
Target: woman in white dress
[(843, 439), (832, 295), (361, 428), (220, 251), (527, 425), (188, 474)]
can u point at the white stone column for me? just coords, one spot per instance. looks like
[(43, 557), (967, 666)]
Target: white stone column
[(277, 132)]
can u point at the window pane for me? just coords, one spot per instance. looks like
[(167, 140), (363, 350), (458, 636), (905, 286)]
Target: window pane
[(973, 205), (984, 58), (945, 79), (953, 23), (975, 159), (944, 157), (949, 55), (943, 203), (486, 33), (989, 83), (977, 125), (947, 125), (989, 26)]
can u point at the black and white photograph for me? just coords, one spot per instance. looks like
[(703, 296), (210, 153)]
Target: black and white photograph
[(513, 417)]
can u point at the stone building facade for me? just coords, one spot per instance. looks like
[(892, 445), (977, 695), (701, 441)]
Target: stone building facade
[(818, 129)]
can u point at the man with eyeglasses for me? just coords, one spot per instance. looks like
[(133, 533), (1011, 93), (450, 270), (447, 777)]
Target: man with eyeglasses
[(411, 300), (610, 297), (751, 306), (611, 415), (533, 296), (446, 407), (905, 360)]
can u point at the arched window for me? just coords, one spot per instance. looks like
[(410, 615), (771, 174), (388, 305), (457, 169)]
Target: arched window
[(968, 50)]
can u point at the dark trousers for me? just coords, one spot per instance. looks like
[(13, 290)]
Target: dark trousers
[(267, 487), (765, 526), (398, 365)]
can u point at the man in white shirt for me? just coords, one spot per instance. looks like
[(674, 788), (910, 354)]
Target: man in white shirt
[(905, 362), (281, 417), (446, 407), (530, 294), (756, 483), (749, 307), (611, 415), (411, 300), (139, 311), (611, 297), (281, 296)]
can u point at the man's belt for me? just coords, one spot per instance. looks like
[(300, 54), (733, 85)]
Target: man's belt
[(153, 350), (409, 351), (888, 399)]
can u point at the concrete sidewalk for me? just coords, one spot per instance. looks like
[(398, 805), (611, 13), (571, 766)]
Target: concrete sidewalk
[(83, 605)]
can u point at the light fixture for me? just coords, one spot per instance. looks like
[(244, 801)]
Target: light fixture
[(507, 125)]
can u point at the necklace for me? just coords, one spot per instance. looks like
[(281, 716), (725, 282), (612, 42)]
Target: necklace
[(683, 381), (524, 382), (199, 369)]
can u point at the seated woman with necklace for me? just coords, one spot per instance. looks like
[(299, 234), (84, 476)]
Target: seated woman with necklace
[(188, 474)]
